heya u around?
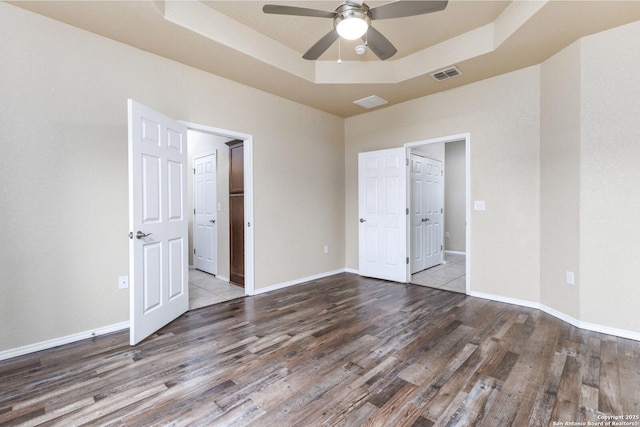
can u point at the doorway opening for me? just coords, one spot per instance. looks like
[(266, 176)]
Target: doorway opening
[(442, 240), (209, 226)]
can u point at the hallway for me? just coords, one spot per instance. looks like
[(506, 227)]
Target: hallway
[(449, 276), (206, 289)]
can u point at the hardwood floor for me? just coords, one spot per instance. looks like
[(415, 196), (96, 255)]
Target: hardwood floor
[(343, 350)]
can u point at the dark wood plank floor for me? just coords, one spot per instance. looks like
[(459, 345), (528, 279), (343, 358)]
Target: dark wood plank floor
[(343, 350)]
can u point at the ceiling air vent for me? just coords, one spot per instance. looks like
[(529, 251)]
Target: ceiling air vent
[(370, 102), (446, 74)]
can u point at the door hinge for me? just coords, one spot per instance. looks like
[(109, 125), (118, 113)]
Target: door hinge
[(194, 251), (441, 172), (194, 210), (407, 260), (407, 162), (441, 210), (407, 211), (194, 171), (441, 248)]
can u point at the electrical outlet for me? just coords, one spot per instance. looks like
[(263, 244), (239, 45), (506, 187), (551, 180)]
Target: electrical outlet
[(326, 249), (123, 282), (479, 205), (446, 234), (570, 278)]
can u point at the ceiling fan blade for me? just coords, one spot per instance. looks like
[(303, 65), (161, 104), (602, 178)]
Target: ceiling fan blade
[(321, 45), (296, 11), (379, 44), (400, 9)]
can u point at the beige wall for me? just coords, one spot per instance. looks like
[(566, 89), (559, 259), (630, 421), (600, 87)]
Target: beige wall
[(455, 199), (63, 172), (589, 179), (205, 143), (609, 179), (503, 118), (560, 180)]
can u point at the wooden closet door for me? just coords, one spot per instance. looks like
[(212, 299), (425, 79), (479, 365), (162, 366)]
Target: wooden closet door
[(236, 211)]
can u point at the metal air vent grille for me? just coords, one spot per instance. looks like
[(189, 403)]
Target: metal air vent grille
[(371, 102), (446, 74)]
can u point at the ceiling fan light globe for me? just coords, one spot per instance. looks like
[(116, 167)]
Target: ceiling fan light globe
[(352, 28), (351, 22)]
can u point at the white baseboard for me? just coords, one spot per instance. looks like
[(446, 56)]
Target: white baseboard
[(217, 276), (44, 345), (298, 281), (623, 333), (508, 300), (455, 252)]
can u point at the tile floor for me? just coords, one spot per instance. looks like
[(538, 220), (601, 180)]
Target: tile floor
[(205, 289), (449, 276)]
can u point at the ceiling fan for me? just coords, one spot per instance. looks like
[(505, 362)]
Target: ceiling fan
[(352, 20)]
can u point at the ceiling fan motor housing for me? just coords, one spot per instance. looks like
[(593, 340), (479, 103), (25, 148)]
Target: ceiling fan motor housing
[(352, 12)]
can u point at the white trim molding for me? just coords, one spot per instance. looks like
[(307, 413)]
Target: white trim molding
[(594, 327), (455, 252), (299, 281), (44, 345), (249, 249), (68, 339), (466, 137), (217, 276)]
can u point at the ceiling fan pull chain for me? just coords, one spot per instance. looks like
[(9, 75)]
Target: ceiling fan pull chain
[(339, 50)]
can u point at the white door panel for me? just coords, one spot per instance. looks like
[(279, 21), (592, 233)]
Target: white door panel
[(205, 202), (427, 205), (157, 204), (382, 194)]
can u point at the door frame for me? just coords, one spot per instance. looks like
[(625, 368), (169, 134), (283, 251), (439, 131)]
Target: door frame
[(195, 191), (466, 137), (249, 261)]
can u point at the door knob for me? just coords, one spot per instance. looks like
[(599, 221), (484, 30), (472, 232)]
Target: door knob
[(140, 235), (425, 219), (212, 221), (363, 220)]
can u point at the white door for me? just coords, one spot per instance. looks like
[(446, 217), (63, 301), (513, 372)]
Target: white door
[(382, 207), (427, 212), (204, 216), (158, 221)]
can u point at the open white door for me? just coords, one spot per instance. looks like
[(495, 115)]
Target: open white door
[(427, 212), (204, 216), (382, 208), (158, 265)]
